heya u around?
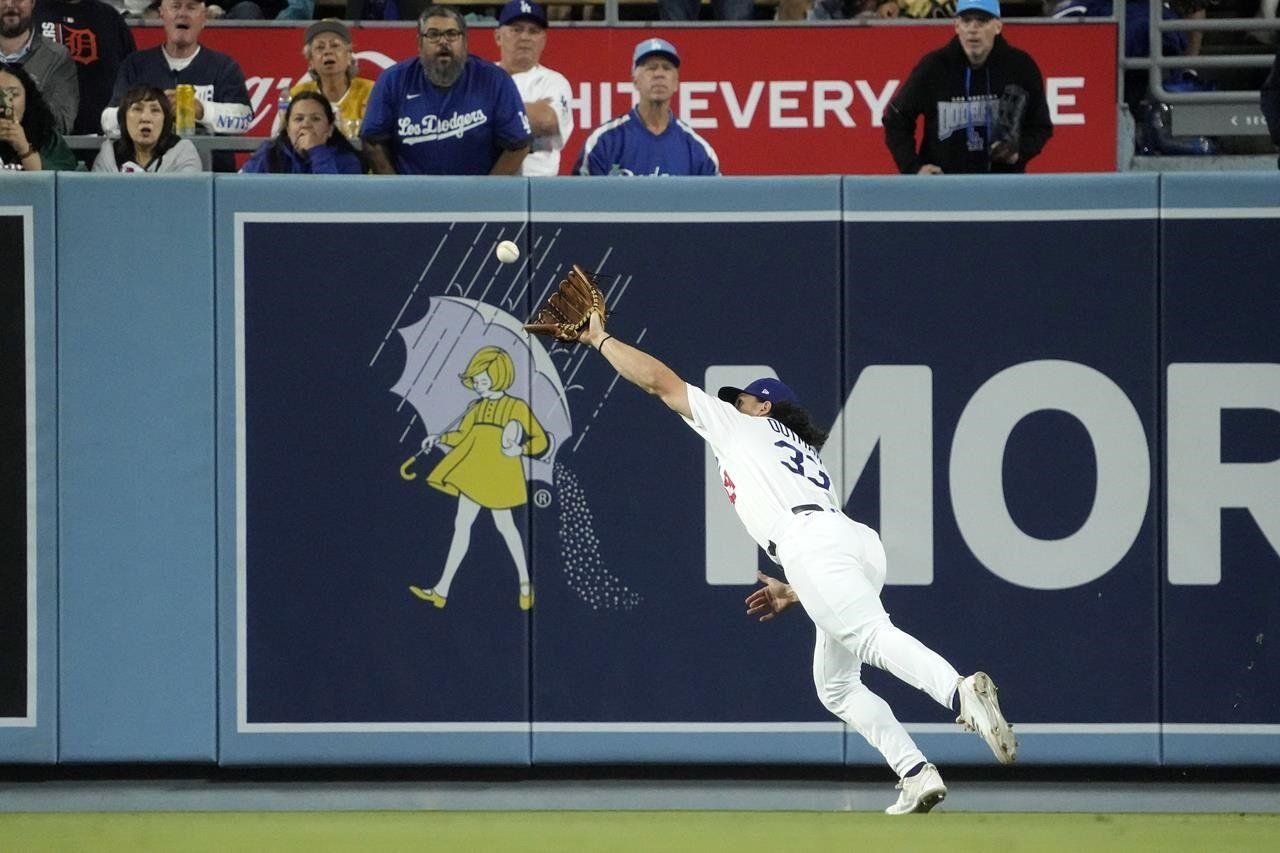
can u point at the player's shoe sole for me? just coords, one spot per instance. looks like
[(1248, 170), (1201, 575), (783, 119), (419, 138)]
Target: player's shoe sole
[(980, 712), (920, 793)]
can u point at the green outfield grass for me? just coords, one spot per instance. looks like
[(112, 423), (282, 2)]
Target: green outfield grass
[(780, 832)]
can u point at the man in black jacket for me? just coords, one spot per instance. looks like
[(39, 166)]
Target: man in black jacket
[(958, 90)]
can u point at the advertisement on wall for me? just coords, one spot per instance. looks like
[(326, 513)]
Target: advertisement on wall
[(770, 100)]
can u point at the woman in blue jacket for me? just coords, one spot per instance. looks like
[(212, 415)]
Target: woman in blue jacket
[(309, 143)]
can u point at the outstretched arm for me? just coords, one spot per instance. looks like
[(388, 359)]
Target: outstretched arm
[(638, 367)]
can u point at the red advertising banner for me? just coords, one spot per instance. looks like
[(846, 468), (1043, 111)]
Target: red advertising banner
[(782, 100)]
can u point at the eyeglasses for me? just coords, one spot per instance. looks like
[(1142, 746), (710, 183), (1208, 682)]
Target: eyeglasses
[(441, 35)]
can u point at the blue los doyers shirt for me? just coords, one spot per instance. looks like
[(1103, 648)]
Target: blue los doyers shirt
[(625, 146), (461, 130)]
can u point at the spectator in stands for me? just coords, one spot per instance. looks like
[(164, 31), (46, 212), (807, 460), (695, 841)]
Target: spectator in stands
[(649, 140), (222, 101), (280, 10), (147, 140), (958, 90), (521, 37), (309, 144), (721, 10), (445, 112), (331, 69), (47, 62), (98, 40), (29, 140), (1270, 97)]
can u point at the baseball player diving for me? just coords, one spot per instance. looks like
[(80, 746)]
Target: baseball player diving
[(767, 449)]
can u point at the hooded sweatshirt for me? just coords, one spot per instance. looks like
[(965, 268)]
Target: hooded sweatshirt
[(959, 104)]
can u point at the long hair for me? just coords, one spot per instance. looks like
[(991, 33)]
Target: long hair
[(37, 118), (796, 419), (124, 147), (279, 160)]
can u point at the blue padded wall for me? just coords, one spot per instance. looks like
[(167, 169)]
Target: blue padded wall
[(136, 469)]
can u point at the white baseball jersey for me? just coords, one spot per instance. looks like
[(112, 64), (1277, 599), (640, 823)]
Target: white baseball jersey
[(534, 85), (767, 470)]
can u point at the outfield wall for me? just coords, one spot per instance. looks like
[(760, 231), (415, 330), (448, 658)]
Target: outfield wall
[(1057, 397)]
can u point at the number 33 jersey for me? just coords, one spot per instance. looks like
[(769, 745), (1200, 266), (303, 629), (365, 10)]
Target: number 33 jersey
[(766, 469)]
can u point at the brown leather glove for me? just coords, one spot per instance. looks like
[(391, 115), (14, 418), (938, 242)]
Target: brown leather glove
[(569, 307)]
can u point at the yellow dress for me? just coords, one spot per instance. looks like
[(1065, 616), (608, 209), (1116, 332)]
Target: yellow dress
[(352, 104), (476, 466)]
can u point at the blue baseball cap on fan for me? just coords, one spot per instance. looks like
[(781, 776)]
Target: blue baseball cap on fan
[(526, 9), (648, 47), (989, 7), (765, 389)]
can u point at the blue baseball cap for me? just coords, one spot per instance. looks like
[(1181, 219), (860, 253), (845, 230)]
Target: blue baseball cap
[(988, 7), (526, 9), (765, 389), (648, 47)]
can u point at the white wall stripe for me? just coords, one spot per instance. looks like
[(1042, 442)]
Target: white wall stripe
[(584, 728), (1220, 213), (382, 216), (1072, 215), (686, 216)]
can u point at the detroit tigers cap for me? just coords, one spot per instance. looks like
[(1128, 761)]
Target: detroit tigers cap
[(989, 7), (765, 388), (648, 47), (527, 9)]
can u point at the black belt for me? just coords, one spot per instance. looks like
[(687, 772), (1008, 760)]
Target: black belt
[(796, 510)]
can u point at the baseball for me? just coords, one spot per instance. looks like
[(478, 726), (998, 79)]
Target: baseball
[(508, 252)]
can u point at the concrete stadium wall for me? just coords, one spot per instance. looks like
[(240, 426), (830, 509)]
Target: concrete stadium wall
[(1058, 399)]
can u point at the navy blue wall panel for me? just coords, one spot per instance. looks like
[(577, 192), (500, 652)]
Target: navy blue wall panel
[(135, 315), (341, 337), (1008, 328), (28, 614), (642, 650), (1221, 356)]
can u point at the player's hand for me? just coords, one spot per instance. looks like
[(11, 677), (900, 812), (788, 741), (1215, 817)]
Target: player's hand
[(887, 9), (771, 599), (594, 332), (1003, 152), (929, 169), (430, 442)]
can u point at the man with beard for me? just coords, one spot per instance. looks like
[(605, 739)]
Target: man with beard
[(49, 64), (649, 140), (222, 101), (445, 112), (98, 40), (521, 37), (958, 90)]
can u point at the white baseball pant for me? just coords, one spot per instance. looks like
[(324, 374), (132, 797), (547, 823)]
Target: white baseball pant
[(837, 568)]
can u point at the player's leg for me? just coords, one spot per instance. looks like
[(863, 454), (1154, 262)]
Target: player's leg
[(837, 675), (837, 571), (838, 587), (506, 524), (462, 521)]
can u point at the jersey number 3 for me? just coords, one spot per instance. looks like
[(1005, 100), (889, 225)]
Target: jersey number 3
[(795, 464)]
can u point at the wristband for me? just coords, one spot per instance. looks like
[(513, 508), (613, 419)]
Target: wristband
[(600, 349), (31, 149)]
